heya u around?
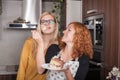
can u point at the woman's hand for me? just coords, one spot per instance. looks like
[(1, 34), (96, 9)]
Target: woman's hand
[(37, 36), (68, 73), (40, 57)]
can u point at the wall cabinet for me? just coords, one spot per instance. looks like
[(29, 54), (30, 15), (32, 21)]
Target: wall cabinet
[(92, 7)]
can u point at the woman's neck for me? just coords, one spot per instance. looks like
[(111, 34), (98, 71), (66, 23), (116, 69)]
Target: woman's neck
[(66, 53), (68, 49), (69, 46), (47, 38)]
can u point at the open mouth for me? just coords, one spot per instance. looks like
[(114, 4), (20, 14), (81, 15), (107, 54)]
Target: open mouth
[(44, 28)]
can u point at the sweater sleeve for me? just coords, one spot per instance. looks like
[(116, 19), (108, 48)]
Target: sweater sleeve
[(24, 60), (83, 68), (52, 51)]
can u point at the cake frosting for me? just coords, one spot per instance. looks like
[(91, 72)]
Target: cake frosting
[(56, 63)]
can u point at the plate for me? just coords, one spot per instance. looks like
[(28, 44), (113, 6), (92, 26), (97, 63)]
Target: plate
[(47, 66)]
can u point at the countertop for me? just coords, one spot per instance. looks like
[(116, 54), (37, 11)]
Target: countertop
[(8, 69), (7, 73)]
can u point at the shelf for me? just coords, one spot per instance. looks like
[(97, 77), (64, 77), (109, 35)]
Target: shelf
[(22, 26)]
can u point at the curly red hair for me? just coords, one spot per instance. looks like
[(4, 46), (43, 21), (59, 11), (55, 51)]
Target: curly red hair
[(82, 41)]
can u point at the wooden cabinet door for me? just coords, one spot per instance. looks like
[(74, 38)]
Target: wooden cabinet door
[(92, 7), (8, 77)]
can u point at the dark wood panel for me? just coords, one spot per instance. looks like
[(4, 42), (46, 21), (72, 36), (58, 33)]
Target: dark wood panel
[(93, 5), (8, 77), (84, 6), (111, 11), (87, 5), (107, 34), (111, 33), (100, 6), (118, 21), (63, 16)]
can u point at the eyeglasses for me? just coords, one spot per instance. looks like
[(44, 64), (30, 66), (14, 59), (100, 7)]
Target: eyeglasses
[(43, 22)]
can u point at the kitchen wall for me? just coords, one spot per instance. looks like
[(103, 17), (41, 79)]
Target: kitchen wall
[(73, 11), (11, 40)]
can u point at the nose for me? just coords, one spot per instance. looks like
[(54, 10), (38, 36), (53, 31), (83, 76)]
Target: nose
[(46, 23)]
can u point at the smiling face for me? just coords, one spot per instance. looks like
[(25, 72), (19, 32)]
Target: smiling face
[(48, 24), (68, 34)]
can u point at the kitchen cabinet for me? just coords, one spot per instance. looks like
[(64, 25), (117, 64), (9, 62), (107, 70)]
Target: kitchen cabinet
[(111, 11), (92, 7)]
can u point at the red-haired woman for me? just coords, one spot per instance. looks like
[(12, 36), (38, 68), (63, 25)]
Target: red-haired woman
[(76, 50)]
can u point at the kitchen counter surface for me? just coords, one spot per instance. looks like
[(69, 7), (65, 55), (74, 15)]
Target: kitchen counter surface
[(7, 72), (8, 69)]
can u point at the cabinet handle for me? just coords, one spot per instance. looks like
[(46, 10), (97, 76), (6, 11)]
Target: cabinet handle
[(91, 11)]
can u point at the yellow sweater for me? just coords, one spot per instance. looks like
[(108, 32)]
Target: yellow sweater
[(27, 67)]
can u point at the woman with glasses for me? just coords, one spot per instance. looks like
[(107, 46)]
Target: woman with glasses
[(44, 40)]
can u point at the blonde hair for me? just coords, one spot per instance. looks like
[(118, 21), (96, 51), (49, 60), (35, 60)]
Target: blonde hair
[(55, 36)]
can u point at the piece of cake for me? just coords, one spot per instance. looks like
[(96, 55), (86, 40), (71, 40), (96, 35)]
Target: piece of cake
[(56, 64)]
